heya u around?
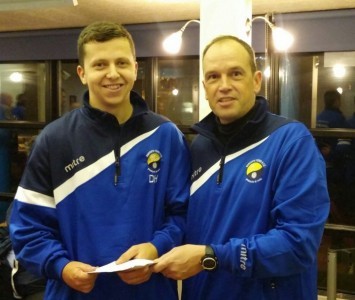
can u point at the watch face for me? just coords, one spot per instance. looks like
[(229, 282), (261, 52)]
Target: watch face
[(209, 263)]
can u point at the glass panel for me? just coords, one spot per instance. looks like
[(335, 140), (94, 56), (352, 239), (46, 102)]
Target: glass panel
[(296, 87), (72, 90), (336, 75), (336, 72), (343, 243), (140, 84), (15, 145), (335, 105), (14, 149), (178, 90), (22, 90), (261, 65), (304, 79)]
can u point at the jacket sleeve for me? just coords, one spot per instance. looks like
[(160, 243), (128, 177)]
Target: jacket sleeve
[(171, 234), (33, 225), (299, 210)]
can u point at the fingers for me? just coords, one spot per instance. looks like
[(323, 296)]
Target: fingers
[(75, 275), (181, 262), (136, 276), (159, 266), (129, 254), (145, 250), (85, 283)]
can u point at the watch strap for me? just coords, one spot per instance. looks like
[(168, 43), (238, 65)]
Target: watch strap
[(209, 251), (209, 261)]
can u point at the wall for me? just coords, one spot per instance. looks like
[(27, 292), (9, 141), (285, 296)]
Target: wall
[(313, 31)]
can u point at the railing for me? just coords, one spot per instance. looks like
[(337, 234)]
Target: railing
[(332, 270), (333, 254)]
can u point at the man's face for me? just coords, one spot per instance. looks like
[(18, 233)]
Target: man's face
[(110, 71), (229, 83)]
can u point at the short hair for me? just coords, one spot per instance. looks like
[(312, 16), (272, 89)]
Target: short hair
[(330, 98), (102, 32), (244, 44)]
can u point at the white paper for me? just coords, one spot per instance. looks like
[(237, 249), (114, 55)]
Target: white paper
[(129, 265)]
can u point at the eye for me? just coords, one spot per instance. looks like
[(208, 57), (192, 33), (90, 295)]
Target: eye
[(122, 63), (99, 65), (237, 74), (211, 77)]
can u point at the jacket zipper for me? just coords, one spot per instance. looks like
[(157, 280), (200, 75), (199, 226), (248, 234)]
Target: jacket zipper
[(220, 172), (117, 167), (117, 147)]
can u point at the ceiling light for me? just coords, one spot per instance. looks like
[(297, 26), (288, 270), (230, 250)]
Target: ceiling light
[(16, 77), (267, 72), (339, 71), (282, 39), (172, 44)]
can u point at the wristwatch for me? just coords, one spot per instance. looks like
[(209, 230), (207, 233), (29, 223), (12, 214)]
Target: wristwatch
[(209, 261)]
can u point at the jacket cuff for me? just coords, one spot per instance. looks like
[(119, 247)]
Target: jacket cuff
[(55, 270), (162, 244)]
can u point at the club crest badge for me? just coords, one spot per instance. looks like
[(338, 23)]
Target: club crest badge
[(254, 171)]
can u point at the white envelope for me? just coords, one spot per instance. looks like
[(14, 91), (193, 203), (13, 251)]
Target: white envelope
[(131, 264)]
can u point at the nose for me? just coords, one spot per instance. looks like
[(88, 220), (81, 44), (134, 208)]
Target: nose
[(224, 83), (112, 72)]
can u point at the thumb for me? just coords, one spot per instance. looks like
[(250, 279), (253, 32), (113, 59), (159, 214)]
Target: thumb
[(159, 265), (87, 268), (128, 255)]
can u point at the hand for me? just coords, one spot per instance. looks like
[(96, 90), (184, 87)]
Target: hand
[(181, 262), (75, 275), (140, 275)]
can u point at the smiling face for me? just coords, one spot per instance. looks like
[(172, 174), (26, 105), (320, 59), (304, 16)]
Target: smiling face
[(230, 84), (109, 70)]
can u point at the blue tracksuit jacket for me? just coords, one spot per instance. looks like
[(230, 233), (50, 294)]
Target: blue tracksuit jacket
[(261, 203), (92, 189)]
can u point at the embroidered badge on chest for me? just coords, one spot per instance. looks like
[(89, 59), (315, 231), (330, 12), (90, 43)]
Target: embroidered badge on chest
[(153, 161), (255, 170)]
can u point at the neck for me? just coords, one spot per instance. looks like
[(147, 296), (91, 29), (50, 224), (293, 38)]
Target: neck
[(226, 131), (123, 114)]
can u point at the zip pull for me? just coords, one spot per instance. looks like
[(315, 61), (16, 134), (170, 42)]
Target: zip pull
[(117, 169), (220, 172)]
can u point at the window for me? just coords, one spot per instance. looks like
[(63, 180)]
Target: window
[(178, 90), (23, 86), (304, 81), (71, 89), (22, 111)]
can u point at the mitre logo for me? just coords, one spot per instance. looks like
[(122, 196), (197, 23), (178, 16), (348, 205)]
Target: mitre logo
[(74, 163)]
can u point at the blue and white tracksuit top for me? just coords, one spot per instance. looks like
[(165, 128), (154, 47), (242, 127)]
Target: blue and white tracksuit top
[(261, 202), (92, 188)]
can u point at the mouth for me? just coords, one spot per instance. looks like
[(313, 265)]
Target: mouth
[(225, 100), (113, 87)]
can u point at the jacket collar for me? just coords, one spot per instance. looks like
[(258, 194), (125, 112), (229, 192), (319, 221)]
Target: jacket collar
[(208, 125), (139, 107)]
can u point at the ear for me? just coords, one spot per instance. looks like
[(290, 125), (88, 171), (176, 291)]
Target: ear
[(257, 81), (81, 73), (136, 70)]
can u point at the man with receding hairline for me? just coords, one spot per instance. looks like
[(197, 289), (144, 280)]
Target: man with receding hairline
[(258, 200)]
